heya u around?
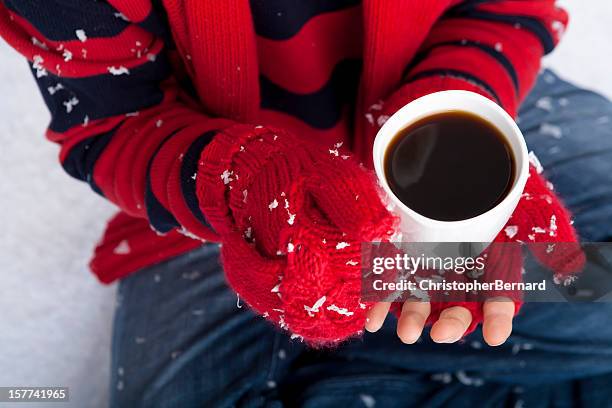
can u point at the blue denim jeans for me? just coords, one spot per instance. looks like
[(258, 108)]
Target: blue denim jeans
[(182, 338)]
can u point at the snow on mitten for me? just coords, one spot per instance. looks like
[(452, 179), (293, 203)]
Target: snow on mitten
[(292, 217), (541, 222)]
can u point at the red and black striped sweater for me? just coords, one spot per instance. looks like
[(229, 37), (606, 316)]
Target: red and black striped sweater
[(132, 85)]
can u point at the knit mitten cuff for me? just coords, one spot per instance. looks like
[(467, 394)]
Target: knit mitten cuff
[(378, 113)]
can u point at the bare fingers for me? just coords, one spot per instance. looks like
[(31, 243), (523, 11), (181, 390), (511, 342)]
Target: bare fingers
[(376, 316), (412, 321), (497, 323), (451, 325)]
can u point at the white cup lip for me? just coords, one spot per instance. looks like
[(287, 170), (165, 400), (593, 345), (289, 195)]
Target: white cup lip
[(521, 156)]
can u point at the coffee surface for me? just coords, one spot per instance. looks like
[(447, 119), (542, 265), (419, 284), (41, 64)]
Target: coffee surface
[(450, 166)]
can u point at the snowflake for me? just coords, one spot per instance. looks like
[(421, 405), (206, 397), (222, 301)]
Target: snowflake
[(39, 44), (370, 118), (533, 159), (53, 89), (382, 119), (121, 16), (511, 231), (551, 130), (121, 70), (37, 61), (340, 310), (367, 400), (291, 219), (466, 380), (315, 308), (67, 55), (81, 35), (226, 176), (553, 225), (558, 26), (70, 104), (377, 106), (544, 103), (122, 249), (342, 245)]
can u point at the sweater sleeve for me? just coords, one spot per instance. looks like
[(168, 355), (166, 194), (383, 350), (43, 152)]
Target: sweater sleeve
[(490, 47), (123, 123)]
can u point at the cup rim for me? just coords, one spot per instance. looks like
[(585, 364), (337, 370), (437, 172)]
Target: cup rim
[(521, 156)]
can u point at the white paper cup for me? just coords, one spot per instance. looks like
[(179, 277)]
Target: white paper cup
[(484, 227)]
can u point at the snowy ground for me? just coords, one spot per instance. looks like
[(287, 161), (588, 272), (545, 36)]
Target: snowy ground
[(55, 317)]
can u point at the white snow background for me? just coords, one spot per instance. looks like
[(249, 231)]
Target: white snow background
[(55, 318)]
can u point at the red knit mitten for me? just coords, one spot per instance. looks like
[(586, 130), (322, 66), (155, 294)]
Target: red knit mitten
[(292, 217), (541, 222), (540, 219)]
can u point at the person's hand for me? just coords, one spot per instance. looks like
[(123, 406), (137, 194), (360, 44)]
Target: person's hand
[(292, 217), (452, 322), (539, 218)]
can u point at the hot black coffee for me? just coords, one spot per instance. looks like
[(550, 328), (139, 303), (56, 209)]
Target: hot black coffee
[(450, 166)]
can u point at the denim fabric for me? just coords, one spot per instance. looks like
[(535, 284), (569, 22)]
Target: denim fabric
[(183, 339)]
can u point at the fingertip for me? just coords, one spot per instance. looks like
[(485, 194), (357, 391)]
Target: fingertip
[(375, 318), (412, 321), (497, 322), (452, 325), (446, 332), (496, 330), (409, 330)]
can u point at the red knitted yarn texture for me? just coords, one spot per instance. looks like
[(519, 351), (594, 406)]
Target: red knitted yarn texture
[(541, 217), (292, 217)]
